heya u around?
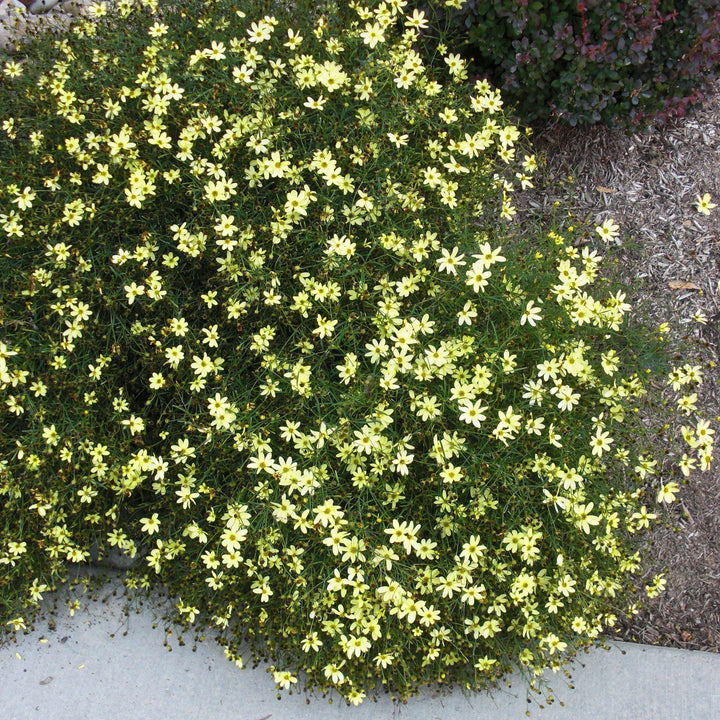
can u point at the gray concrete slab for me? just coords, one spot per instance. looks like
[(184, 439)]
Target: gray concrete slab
[(101, 664)]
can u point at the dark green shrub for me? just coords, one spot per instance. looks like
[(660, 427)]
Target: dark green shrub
[(593, 61)]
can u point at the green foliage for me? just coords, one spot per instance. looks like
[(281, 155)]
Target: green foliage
[(269, 328), (594, 61)]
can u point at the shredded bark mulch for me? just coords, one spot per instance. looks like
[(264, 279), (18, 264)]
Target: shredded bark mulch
[(648, 182)]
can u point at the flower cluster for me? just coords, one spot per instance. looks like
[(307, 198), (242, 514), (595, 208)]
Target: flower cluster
[(266, 332)]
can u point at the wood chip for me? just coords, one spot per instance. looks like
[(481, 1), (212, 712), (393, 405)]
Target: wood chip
[(680, 285)]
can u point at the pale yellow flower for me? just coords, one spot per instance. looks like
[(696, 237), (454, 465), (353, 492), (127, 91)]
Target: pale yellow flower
[(704, 204)]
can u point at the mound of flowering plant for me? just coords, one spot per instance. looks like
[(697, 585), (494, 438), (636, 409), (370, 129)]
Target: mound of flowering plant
[(266, 328)]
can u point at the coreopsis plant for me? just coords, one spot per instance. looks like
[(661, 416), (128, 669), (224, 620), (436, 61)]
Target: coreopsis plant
[(269, 329)]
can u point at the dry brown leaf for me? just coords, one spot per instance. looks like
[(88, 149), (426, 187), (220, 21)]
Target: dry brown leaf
[(680, 285)]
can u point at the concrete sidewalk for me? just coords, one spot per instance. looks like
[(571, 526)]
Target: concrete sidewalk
[(104, 665)]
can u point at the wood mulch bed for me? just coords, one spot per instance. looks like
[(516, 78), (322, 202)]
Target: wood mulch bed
[(648, 182)]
